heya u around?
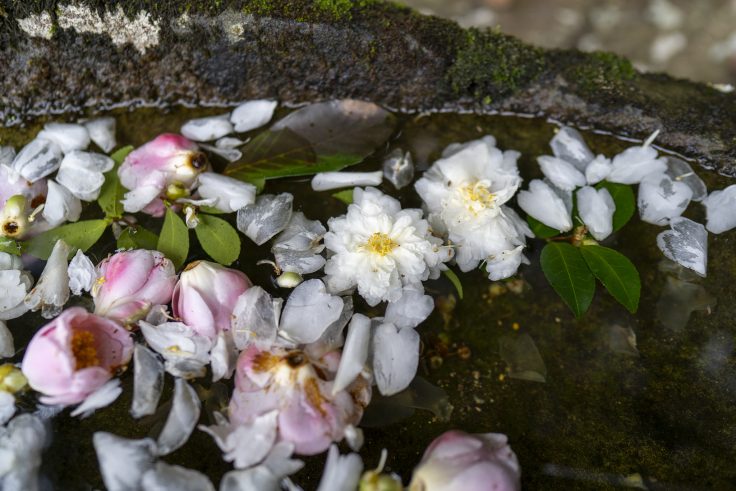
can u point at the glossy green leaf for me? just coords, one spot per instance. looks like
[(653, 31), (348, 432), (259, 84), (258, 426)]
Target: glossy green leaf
[(79, 235), (616, 272), (218, 239), (450, 274), (173, 240), (321, 137), (539, 229), (137, 238), (111, 193), (346, 196), (10, 246), (568, 273), (623, 197)]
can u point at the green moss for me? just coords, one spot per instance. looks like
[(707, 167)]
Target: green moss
[(601, 70), (491, 64)]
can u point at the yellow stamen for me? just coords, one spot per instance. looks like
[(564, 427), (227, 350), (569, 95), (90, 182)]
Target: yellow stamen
[(479, 194), (84, 350), (380, 244)]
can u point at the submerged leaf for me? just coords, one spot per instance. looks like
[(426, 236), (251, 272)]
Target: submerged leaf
[(616, 272), (450, 274), (568, 273), (174, 238), (218, 239), (522, 357)]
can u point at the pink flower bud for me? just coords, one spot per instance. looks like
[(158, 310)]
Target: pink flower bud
[(300, 388), (458, 461), (165, 167), (74, 355), (205, 296), (129, 283)]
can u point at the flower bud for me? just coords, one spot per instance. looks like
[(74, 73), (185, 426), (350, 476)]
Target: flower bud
[(289, 280), (14, 217), (130, 283), (12, 379), (458, 461), (167, 166), (74, 355), (205, 296)]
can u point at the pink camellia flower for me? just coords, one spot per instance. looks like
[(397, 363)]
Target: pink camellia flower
[(300, 388), (166, 167), (458, 461), (205, 296), (130, 283), (74, 355)]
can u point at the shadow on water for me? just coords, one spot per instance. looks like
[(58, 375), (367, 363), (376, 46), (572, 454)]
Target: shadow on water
[(611, 401)]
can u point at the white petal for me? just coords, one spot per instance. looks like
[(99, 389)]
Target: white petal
[(662, 198), (229, 154), (61, 205), (7, 347), (398, 168), (279, 460), (332, 338), (562, 174), (268, 216), (229, 142), (720, 210), (137, 199), (410, 310), (185, 352), (102, 397), (7, 154), (325, 181), (354, 353), (596, 208), (207, 129), (122, 461), (90, 161), (308, 312), (252, 114), (68, 136), (224, 356), (37, 160), (598, 169), (680, 171), (505, 264), (10, 261), (229, 194), (568, 144), (102, 132), (245, 445), (52, 290), (81, 173), (542, 203), (21, 444), (255, 318), (686, 244), (165, 477), (82, 273), (634, 164), (14, 286), (182, 419), (297, 249), (148, 381), (7, 410), (342, 472), (354, 438), (259, 478), (395, 358)]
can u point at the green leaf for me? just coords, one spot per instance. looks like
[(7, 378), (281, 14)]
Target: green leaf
[(568, 273), (455, 282), (623, 197), (111, 193), (346, 196), (79, 235), (539, 229), (616, 272), (174, 238), (10, 246), (218, 239), (137, 238)]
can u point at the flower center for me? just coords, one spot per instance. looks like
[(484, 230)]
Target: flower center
[(84, 350), (478, 196), (380, 244)]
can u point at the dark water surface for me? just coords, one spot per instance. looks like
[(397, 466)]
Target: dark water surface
[(610, 401)]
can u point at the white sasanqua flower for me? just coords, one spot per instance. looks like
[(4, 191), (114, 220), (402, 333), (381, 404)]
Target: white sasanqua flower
[(465, 193), (381, 248)]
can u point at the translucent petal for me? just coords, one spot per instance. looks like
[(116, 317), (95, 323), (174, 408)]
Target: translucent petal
[(122, 461), (255, 318), (68, 136), (21, 444), (268, 216), (561, 173), (7, 347), (148, 381), (720, 210), (102, 132), (522, 357), (342, 472), (354, 353), (207, 129), (398, 168), (661, 198), (52, 290), (686, 244), (229, 194), (102, 397), (224, 356), (185, 352), (82, 273), (568, 144), (61, 205), (165, 477), (395, 357), (245, 445), (252, 114), (182, 419), (38, 159), (680, 171), (297, 249), (308, 312), (7, 410), (14, 286), (410, 310)]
